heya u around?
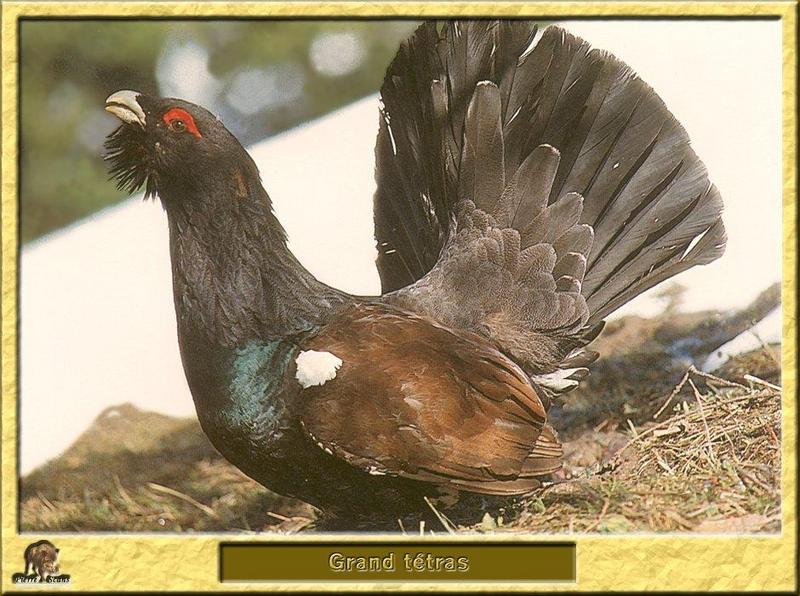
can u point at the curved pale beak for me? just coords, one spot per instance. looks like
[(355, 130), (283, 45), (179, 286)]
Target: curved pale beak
[(124, 106)]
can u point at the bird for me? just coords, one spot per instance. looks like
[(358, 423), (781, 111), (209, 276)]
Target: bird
[(527, 186)]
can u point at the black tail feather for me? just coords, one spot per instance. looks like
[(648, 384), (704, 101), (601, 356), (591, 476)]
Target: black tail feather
[(562, 142)]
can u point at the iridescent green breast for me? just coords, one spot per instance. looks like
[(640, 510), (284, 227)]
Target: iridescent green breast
[(260, 373), (251, 407)]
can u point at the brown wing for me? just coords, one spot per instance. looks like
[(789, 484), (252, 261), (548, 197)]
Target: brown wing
[(415, 399)]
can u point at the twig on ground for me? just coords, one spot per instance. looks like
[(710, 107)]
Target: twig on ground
[(716, 379), (675, 392), (757, 381), (765, 347), (687, 413), (171, 491), (132, 505), (278, 516), (699, 399), (692, 370), (448, 525)]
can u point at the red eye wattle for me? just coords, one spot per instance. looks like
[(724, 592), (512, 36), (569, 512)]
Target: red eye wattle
[(175, 116)]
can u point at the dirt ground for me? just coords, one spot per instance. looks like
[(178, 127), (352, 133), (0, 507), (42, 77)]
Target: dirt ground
[(651, 445)]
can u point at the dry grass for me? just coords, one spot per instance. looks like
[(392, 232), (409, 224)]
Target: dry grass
[(711, 465), (144, 472)]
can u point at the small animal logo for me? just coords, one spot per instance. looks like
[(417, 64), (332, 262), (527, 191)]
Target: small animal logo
[(41, 565)]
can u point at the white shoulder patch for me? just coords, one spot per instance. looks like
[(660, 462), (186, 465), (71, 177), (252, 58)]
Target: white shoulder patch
[(316, 368)]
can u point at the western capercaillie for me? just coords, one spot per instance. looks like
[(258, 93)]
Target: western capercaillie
[(527, 186)]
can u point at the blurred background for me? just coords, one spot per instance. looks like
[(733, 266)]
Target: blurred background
[(260, 77)]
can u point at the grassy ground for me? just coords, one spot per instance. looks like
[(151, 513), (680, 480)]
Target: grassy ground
[(650, 445), (709, 462), (140, 471)]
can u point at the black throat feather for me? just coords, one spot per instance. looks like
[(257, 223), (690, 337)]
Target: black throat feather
[(131, 164), (234, 278)]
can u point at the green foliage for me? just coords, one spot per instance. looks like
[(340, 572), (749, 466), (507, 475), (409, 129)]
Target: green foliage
[(68, 68)]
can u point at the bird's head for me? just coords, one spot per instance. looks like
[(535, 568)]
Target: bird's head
[(173, 147)]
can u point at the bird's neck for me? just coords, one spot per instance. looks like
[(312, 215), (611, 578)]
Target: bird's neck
[(234, 278)]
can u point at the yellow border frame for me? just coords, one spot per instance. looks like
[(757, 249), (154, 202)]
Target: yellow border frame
[(133, 562)]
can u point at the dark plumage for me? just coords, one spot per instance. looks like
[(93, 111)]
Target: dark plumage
[(528, 186)]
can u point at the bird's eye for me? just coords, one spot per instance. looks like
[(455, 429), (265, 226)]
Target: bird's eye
[(179, 120)]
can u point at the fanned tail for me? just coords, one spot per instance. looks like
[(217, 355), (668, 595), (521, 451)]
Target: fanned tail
[(587, 184)]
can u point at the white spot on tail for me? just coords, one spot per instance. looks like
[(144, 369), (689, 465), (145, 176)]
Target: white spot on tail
[(557, 380), (694, 242), (316, 368)]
